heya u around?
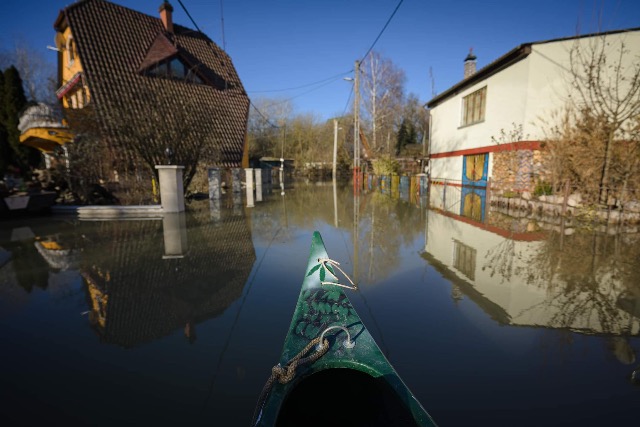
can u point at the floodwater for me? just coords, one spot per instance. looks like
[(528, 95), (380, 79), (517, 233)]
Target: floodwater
[(489, 319)]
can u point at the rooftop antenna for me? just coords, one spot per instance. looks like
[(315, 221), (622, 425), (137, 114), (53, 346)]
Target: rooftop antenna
[(433, 82), (224, 44)]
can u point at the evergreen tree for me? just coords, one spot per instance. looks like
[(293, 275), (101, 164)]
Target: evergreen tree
[(407, 135), (6, 153), (13, 102), (401, 137)]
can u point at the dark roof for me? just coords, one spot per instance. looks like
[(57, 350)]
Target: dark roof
[(506, 60), (116, 45)]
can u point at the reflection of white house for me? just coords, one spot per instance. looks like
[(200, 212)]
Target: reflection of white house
[(518, 89), (502, 272)]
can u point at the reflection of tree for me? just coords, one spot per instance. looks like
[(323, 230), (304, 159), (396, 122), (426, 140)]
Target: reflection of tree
[(385, 224), (591, 281), (500, 260), (30, 269), (590, 278)]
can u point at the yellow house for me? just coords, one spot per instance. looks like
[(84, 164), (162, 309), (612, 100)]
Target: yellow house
[(38, 125), (112, 60), (41, 129)]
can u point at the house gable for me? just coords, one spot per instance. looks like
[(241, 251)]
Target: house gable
[(119, 47)]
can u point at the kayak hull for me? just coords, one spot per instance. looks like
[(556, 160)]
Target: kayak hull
[(326, 308)]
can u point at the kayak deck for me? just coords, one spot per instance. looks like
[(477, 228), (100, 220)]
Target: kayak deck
[(340, 381)]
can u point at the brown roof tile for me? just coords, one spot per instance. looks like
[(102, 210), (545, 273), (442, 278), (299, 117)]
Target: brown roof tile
[(115, 43)]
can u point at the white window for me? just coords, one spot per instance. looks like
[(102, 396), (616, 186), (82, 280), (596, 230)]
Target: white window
[(71, 52)]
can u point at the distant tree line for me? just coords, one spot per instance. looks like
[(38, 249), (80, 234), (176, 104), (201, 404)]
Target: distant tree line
[(393, 123)]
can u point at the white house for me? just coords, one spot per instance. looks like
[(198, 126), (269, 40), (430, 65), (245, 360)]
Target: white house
[(509, 274), (500, 108)]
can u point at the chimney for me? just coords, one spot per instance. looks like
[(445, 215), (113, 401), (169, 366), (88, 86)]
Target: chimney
[(470, 64), (165, 16)]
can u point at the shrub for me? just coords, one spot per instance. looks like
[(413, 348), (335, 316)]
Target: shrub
[(386, 165), (543, 189)]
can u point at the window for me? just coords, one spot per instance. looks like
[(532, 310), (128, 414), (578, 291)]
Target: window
[(174, 68), (78, 98), (473, 107), (71, 51), (464, 259)]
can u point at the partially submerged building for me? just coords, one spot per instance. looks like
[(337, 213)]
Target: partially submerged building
[(489, 126), (144, 80)]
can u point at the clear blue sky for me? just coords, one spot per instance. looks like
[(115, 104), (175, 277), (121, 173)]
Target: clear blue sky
[(279, 44)]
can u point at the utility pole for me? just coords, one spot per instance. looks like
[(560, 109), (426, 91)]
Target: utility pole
[(335, 148), (356, 122)]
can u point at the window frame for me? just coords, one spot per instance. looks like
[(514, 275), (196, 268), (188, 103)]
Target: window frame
[(175, 68), (474, 107)]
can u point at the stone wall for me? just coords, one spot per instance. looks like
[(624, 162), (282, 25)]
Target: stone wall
[(518, 170), (553, 208)]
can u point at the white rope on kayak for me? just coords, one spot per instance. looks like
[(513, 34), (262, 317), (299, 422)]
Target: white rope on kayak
[(336, 264), (347, 343)]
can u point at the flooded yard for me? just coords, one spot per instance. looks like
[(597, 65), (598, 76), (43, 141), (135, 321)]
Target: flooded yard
[(489, 319)]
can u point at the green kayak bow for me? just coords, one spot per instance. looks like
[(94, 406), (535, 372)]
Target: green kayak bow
[(331, 371)]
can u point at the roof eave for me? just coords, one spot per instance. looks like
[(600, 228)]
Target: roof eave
[(496, 66), (60, 24)]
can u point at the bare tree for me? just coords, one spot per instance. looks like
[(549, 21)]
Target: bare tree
[(383, 93), (146, 131), (267, 126), (605, 75), (37, 73), (133, 137)]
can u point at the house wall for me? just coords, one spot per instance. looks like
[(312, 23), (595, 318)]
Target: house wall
[(508, 273), (71, 65), (505, 105), (549, 85), (527, 93)]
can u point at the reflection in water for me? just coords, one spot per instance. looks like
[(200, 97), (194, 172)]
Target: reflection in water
[(546, 283), (19, 253), (143, 283), (584, 282)]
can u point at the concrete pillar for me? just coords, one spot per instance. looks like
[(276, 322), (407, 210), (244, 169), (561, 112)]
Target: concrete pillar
[(237, 204), (214, 208), (236, 180), (171, 188), (249, 186), (258, 174), (174, 230), (214, 183)]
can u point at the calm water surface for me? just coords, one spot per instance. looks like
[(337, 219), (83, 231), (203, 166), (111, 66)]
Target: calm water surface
[(490, 320)]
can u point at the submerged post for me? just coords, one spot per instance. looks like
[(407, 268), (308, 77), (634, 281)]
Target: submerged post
[(171, 188), (258, 174), (249, 186), (214, 183), (236, 180), (174, 230)]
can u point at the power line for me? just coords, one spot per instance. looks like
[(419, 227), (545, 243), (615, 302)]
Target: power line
[(304, 93), (189, 15), (302, 86), (383, 28), (348, 102), (262, 115)]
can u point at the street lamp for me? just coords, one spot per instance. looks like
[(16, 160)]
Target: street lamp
[(356, 120)]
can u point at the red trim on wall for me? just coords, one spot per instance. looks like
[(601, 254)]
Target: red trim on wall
[(520, 237), (511, 146)]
